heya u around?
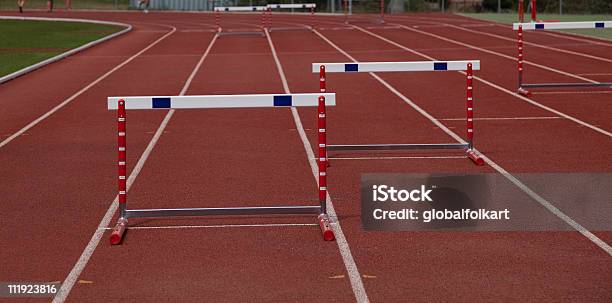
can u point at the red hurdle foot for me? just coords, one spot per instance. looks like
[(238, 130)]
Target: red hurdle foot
[(475, 157), (118, 231), (524, 92), (328, 234)]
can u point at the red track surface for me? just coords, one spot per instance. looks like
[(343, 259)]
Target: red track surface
[(58, 179)]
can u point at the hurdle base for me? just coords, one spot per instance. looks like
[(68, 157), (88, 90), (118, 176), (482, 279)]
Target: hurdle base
[(290, 29), (354, 147), (221, 33), (475, 156), (523, 92), (222, 211), (328, 234), (118, 231), (551, 85)]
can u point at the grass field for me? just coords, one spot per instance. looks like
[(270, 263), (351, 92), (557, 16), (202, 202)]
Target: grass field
[(27, 42), (59, 4), (510, 18)]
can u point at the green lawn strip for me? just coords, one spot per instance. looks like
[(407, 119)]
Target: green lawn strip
[(59, 4), (511, 18), (27, 42)]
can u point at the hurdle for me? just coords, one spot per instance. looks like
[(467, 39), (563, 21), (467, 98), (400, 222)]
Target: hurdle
[(122, 104), (523, 88), (348, 10), (521, 11), (416, 66), (220, 32), (310, 6)]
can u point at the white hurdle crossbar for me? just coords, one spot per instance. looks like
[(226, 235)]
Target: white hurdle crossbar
[(121, 104), (562, 25), (292, 5), (416, 66), (520, 27)]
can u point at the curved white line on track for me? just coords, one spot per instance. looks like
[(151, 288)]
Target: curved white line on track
[(63, 55), (82, 90), (345, 251), (74, 274), (557, 212), (498, 87)]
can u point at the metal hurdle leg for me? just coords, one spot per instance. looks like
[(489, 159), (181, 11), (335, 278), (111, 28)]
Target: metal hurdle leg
[(520, 89), (119, 230), (323, 218), (471, 153)]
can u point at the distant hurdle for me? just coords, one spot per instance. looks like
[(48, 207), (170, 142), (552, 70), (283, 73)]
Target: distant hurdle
[(237, 9), (417, 66), (271, 7), (532, 9), (121, 104), (347, 7), (523, 88)]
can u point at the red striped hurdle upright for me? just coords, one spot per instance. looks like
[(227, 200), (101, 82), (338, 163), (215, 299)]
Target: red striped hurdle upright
[(470, 117), (470, 107), (328, 234), (119, 229), (521, 90)]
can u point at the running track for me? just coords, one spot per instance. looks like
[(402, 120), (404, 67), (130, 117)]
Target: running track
[(58, 178)]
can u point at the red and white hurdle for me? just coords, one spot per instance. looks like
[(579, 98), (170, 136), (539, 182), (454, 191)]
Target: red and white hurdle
[(292, 6), (121, 104), (237, 9), (417, 66), (523, 88)]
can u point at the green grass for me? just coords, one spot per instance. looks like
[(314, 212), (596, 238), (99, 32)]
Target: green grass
[(27, 42), (510, 18), (59, 4)]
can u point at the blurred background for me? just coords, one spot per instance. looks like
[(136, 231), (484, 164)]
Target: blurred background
[(336, 6)]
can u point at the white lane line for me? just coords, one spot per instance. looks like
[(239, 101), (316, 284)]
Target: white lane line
[(595, 74), (345, 251), (396, 158), (498, 87), (581, 229), (573, 92), (74, 274), (216, 226), (534, 44), (81, 91), (501, 118)]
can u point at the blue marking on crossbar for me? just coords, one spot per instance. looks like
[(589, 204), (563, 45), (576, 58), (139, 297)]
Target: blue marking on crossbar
[(282, 100), (160, 102), (227, 9), (440, 66), (351, 67), (539, 26), (599, 25)]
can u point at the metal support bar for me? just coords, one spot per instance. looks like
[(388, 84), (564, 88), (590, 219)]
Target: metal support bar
[(535, 85), (290, 29), (261, 34), (223, 211), (397, 146)]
